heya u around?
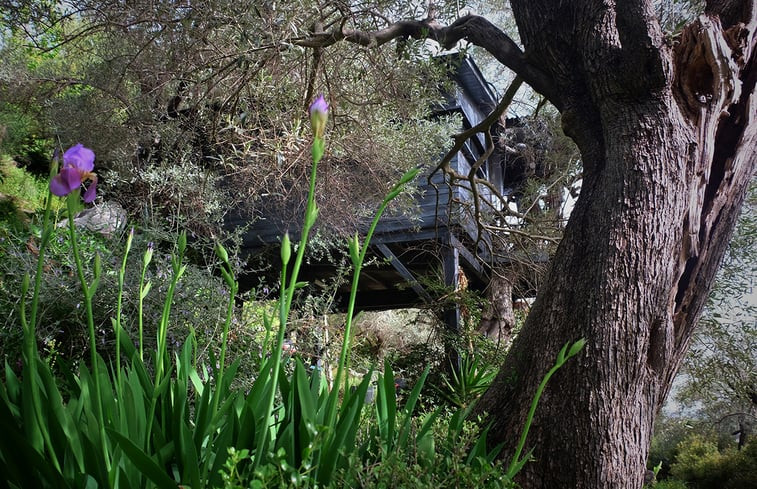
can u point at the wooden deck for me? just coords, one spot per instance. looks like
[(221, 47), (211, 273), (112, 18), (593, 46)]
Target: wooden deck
[(430, 248)]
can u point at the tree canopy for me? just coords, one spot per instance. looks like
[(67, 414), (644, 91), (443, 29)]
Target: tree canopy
[(181, 95)]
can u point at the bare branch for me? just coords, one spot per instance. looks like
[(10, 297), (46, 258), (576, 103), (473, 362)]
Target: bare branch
[(533, 237), (482, 127), (475, 29)]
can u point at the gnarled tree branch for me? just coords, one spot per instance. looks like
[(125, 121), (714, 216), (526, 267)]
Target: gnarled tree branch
[(475, 29)]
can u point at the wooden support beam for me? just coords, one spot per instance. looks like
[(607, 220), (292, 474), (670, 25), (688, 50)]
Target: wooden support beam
[(407, 236), (451, 316), (469, 258), (450, 264), (406, 274)]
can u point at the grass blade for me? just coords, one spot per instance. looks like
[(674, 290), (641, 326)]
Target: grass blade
[(145, 463)]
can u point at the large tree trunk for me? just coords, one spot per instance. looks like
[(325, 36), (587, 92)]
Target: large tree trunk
[(498, 317), (667, 138)]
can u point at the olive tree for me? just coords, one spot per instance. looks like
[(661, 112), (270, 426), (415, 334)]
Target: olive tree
[(665, 125)]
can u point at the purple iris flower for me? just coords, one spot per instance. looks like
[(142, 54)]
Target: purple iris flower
[(78, 166), (319, 112)]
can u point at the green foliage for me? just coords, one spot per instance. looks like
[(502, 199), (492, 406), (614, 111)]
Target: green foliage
[(393, 430), (21, 190), (468, 380), (699, 460), (745, 463), (200, 298), (441, 460), (669, 432), (702, 465), (21, 134), (670, 484)]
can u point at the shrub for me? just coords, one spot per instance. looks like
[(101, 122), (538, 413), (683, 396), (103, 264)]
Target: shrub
[(669, 432), (699, 462), (744, 467), (702, 466), (26, 191), (671, 484), (448, 467), (20, 136), (468, 380), (200, 298)]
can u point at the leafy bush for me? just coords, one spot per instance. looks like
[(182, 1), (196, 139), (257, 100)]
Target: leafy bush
[(669, 432), (25, 191), (200, 297), (701, 465), (21, 135), (671, 484), (698, 460), (745, 467), (468, 380), (448, 459)]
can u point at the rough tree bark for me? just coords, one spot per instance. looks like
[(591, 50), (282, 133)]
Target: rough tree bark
[(667, 134), (667, 137), (498, 317)]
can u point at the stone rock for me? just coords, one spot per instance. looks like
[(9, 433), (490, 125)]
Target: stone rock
[(106, 218)]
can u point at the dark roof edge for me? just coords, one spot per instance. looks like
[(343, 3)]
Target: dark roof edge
[(468, 76)]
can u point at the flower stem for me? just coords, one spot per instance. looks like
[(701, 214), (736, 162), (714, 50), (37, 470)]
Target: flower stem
[(117, 323), (516, 462), (233, 288), (144, 289), (71, 203), (31, 355), (287, 295)]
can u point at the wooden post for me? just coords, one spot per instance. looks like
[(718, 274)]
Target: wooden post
[(451, 315)]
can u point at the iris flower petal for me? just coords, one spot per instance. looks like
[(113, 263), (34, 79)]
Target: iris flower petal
[(90, 193), (72, 177), (319, 106), (78, 163), (59, 187), (65, 182), (319, 112), (79, 157)]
